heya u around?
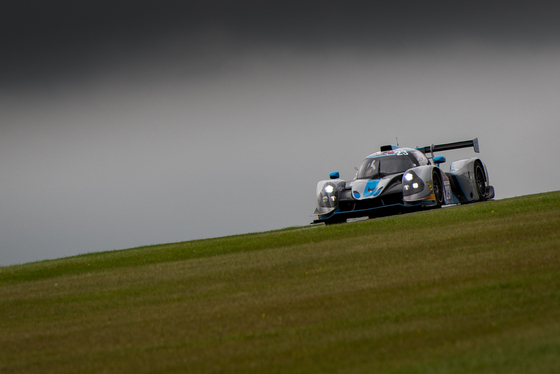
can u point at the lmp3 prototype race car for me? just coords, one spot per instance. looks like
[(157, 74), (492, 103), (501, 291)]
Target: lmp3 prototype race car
[(397, 180)]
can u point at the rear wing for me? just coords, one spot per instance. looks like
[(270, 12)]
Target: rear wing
[(450, 146)]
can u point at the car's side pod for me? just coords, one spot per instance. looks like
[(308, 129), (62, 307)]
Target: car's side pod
[(468, 184)]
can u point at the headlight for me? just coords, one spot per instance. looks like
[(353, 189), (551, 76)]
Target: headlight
[(412, 184), (328, 195)]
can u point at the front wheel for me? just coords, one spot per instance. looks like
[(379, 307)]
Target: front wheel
[(438, 188)]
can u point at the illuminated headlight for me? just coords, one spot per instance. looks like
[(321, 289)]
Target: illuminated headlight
[(328, 195), (412, 184)]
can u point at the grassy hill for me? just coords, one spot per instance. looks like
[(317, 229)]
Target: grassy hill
[(473, 288)]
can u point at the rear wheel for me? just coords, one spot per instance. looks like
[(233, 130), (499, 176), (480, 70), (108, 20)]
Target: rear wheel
[(480, 180), (438, 188)]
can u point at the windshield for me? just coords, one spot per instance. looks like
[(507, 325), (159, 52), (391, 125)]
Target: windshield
[(378, 167)]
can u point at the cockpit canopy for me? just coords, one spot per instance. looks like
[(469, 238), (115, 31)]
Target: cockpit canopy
[(381, 164)]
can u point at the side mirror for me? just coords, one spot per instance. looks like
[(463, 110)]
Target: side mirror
[(439, 160), (334, 175)]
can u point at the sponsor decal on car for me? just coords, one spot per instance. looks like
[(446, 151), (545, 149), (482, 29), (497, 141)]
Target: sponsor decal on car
[(389, 153), (446, 187)]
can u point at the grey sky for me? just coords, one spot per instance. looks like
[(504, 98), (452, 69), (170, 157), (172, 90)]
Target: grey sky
[(123, 126)]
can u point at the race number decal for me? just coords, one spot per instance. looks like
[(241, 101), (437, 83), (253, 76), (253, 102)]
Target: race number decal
[(446, 188)]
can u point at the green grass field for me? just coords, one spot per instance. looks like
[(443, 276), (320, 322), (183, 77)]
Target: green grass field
[(468, 289)]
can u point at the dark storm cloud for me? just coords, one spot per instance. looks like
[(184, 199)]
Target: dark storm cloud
[(42, 40)]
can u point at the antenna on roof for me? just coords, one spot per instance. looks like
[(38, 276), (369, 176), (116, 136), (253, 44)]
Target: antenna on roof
[(397, 141)]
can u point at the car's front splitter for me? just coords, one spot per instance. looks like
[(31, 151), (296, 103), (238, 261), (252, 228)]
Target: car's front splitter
[(386, 210)]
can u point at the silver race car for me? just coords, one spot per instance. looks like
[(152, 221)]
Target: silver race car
[(397, 180)]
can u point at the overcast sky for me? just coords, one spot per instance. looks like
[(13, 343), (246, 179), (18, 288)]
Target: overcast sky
[(131, 123)]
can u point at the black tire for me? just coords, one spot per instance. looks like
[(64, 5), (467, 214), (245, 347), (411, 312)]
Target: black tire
[(437, 188), (480, 179)]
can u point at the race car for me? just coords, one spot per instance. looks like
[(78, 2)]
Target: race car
[(397, 180)]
